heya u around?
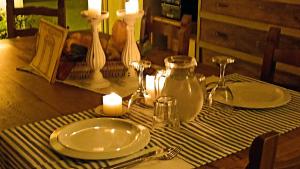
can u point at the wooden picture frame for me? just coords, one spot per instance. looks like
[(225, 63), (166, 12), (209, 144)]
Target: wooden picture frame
[(50, 43)]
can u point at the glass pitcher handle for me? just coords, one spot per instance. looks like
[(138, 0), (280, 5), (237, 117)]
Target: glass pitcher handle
[(159, 82), (202, 82)]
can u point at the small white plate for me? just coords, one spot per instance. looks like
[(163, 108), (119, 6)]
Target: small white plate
[(99, 138), (257, 95)]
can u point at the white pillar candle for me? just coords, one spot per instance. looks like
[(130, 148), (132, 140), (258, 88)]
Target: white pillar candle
[(95, 6), (150, 86), (112, 104), (131, 6)]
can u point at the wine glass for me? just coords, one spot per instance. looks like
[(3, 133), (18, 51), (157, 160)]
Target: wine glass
[(221, 93), (141, 91)]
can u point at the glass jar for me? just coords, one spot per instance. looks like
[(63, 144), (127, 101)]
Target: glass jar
[(182, 83)]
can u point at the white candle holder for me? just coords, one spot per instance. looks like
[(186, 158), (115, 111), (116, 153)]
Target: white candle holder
[(96, 57), (130, 52)]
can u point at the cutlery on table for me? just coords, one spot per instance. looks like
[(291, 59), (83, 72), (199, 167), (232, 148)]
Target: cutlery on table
[(166, 154)]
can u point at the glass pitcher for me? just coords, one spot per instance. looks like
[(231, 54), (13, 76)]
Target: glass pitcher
[(181, 82)]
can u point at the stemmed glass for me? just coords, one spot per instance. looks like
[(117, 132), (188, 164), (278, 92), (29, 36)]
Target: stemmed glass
[(140, 93), (221, 92)]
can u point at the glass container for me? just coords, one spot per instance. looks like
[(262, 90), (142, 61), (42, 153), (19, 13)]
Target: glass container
[(182, 84)]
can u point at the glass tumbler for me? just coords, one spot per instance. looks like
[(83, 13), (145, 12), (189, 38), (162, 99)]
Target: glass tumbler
[(165, 113)]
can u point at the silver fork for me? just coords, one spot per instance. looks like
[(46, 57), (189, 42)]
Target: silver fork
[(166, 154), (169, 153)]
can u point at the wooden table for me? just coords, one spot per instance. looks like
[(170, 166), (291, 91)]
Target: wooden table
[(27, 98)]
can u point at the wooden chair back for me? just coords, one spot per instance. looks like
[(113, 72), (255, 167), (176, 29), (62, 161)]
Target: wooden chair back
[(262, 151), (166, 36), (12, 12), (273, 54), (175, 35)]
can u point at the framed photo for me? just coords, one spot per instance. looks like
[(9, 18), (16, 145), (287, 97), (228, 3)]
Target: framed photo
[(50, 43)]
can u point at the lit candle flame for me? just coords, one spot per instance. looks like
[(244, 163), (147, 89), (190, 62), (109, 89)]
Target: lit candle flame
[(131, 6), (95, 5)]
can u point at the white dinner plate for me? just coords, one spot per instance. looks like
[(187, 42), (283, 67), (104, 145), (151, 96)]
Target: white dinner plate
[(100, 138), (257, 95)]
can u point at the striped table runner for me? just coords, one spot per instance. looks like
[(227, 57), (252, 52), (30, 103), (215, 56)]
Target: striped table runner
[(213, 135)]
